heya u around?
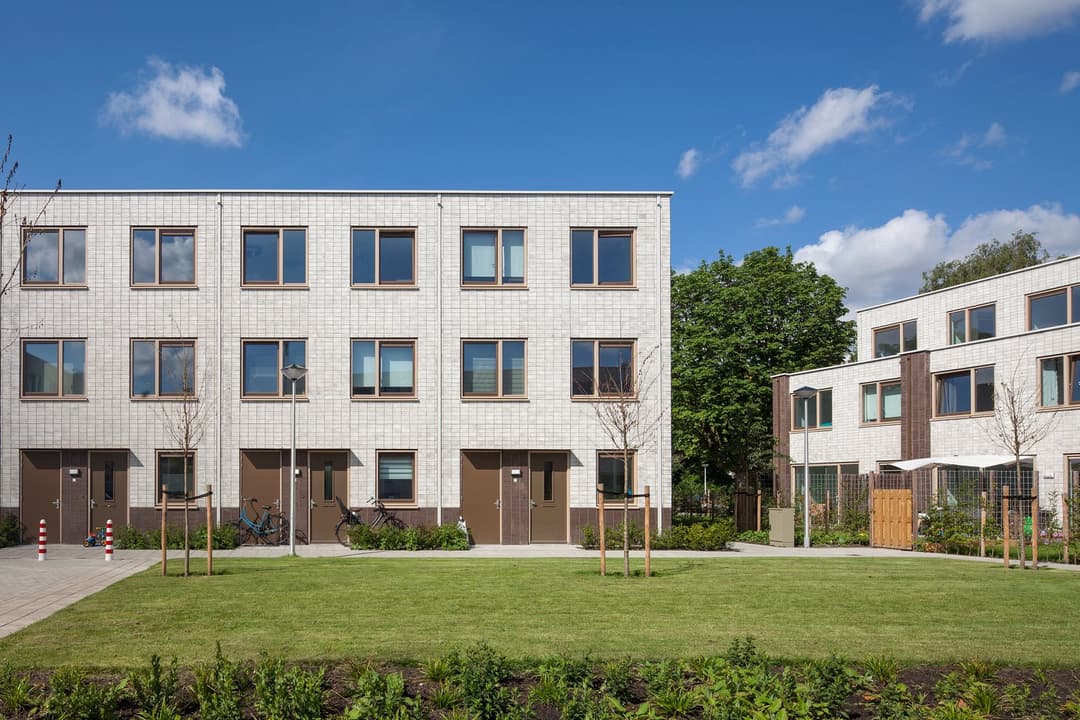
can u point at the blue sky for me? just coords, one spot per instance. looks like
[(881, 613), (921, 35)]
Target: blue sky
[(874, 138)]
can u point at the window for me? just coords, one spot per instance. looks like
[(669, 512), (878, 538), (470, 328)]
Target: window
[(397, 477), (601, 258), (1057, 307), (971, 324), (819, 408), (824, 485), (881, 401), (54, 256), (162, 368), (887, 340), (965, 392), (610, 473), (162, 257), (383, 368), (54, 368), (328, 481), (175, 474), (493, 368), (263, 360), (493, 257), (602, 368), (1059, 381), (275, 257), (383, 257)]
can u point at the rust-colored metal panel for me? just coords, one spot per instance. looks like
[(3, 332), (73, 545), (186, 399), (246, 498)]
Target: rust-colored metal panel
[(108, 488), (515, 497), (74, 496), (40, 496), (548, 497), (260, 478), (480, 495), (892, 519), (329, 475), (300, 523)]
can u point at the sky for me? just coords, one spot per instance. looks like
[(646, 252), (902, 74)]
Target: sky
[(873, 138)]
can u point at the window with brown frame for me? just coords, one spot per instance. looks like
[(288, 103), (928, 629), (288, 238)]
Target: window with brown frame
[(971, 324), (493, 257), (382, 256), (162, 256), (881, 401), (1054, 308), (493, 368), (602, 368), (275, 257), (1059, 381), (614, 475), (964, 392), (396, 477), (171, 473), (163, 368), (54, 257), (54, 368), (818, 408), (383, 369), (601, 258), (894, 339), (262, 364)]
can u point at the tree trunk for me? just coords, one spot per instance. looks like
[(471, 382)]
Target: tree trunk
[(626, 514), (187, 544)]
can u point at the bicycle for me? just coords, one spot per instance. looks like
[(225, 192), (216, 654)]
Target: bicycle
[(350, 517), (270, 528)]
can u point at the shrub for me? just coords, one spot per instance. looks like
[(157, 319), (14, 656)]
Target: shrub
[(129, 538), (154, 689), (478, 674), (422, 537), (285, 693), (219, 687), (10, 531), (72, 696), (757, 537)]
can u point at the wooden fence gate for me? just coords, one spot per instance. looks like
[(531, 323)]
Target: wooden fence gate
[(892, 519)]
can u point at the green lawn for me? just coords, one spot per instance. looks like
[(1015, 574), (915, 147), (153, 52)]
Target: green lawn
[(917, 610)]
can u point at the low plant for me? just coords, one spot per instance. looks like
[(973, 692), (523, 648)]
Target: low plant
[(219, 688), (717, 535), (479, 674), (155, 689), (382, 696), (757, 537), (72, 696), (830, 683), (17, 693), (287, 693), (129, 538), (417, 537), (10, 531), (618, 679), (436, 669)]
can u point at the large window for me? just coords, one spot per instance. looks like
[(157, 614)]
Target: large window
[(171, 473), (162, 368), (602, 368), (383, 368), (263, 361), (493, 368), (54, 368), (493, 257), (601, 258), (818, 409), (881, 401), (162, 256), (397, 477), (613, 474), (54, 256), (970, 324), (383, 257), (964, 392), (1059, 381), (1057, 307), (894, 339), (275, 257)]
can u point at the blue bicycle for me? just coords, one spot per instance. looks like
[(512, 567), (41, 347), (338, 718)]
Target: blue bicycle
[(268, 529)]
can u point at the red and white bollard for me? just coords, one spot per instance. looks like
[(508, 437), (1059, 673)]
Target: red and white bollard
[(108, 540), (41, 541)]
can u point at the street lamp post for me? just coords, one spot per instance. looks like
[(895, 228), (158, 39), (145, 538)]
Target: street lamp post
[(293, 373), (805, 393)]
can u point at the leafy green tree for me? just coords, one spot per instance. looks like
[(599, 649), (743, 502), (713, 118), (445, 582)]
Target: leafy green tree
[(990, 258), (734, 326)]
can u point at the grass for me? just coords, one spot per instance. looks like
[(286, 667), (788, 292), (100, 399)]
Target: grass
[(916, 610)]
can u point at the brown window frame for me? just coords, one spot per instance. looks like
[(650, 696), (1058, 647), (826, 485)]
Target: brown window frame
[(618, 455), (193, 453), (1068, 380), (158, 344), (899, 327), (974, 411), (279, 283), (817, 412), (967, 323), (880, 420), (283, 392), (158, 282), (597, 394), (598, 232), (499, 392), (61, 231), (379, 344), (411, 502), (59, 394), (379, 232), (1072, 313), (498, 283)]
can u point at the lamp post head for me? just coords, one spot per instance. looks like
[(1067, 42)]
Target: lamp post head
[(805, 392), (294, 372)]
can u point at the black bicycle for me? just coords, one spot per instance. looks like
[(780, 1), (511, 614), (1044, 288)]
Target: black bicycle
[(350, 517)]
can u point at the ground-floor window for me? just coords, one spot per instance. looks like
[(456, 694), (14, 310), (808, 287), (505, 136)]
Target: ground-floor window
[(172, 472), (397, 477), (612, 473)]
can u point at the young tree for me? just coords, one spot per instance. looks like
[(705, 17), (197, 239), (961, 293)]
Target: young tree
[(629, 418), (988, 259)]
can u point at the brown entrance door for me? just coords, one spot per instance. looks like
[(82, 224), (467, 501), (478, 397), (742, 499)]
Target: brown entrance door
[(260, 478), (547, 488), (108, 489), (40, 496), (329, 472), (480, 499), (300, 522)]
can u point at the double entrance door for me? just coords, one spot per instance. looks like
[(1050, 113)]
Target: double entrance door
[(322, 476), (514, 497), (74, 491)]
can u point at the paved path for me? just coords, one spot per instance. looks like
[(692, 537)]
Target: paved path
[(32, 590)]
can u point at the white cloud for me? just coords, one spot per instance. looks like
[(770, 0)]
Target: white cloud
[(1000, 20), (948, 78), (839, 114), (793, 215), (177, 102), (689, 163), (963, 151), (883, 263), (1070, 82)]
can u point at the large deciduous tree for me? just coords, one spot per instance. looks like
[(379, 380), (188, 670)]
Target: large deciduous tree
[(734, 326), (990, 258)]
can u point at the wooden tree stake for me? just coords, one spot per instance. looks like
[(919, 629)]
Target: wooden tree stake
[(648, 544), (209, 530), (1035, 530), (1066, 534), (758, 526), (1005, 522), (187, 535), (164, 512), (982, 525), (600, 524)]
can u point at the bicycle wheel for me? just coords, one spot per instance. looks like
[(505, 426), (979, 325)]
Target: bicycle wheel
[(244, 535), (342, 531), (395, 521), (282, 524)]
